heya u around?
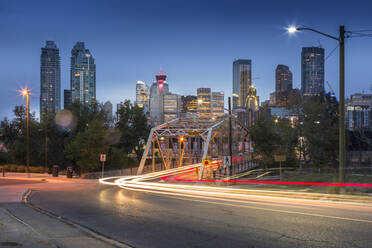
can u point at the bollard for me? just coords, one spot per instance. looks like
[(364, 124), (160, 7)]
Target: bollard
[(55, 170)]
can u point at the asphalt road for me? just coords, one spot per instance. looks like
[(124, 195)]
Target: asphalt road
[(149, 220)]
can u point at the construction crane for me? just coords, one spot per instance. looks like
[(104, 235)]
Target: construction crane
[(330, 87)]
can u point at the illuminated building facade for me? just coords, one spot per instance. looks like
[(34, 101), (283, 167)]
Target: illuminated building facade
[(142, 95), (171, 106), (359, 112), (204, 103), (83, 75), (242, 79), (189, 104), (312, 70), (283, 78), (50, 79), (218, 105)]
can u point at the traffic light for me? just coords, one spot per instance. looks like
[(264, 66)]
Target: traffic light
[(182, 139)]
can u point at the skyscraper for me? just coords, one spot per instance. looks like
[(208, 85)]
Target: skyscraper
[(50, 78), (242, 80), (283, 78), (218, 104), (142, 94), (158, 89), (312, 70), (67, 99), (283, 86), (82, 74), (204, 103)]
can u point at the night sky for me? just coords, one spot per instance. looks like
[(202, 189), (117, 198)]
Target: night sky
[(193, 41)]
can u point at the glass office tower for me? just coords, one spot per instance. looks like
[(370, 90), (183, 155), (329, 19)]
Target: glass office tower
[(312, 70)]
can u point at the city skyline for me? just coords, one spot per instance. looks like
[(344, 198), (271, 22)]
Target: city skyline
[(204, 62)]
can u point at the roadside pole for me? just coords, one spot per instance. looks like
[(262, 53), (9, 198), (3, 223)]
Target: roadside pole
[(230, 137), (102, 158)]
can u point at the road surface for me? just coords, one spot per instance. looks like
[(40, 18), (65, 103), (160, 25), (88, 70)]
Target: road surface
[(143, 219)]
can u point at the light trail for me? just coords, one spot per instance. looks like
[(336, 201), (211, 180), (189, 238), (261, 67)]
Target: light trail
[(148, 183), (225, 196)]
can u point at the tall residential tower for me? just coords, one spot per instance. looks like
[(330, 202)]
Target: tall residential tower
[(82, 74), (50, 79)]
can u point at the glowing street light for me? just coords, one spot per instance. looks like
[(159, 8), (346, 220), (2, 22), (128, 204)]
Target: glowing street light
[(26, 92), (292, 29)]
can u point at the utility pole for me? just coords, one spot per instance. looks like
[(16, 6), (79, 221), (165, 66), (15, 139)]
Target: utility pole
[(230, 137), (342, 107), (46, 151), (28, 135)]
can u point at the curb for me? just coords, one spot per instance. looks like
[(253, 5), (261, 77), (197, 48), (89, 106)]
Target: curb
[(25, 199)]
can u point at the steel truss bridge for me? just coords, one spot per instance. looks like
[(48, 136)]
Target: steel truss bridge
[(190, 140)]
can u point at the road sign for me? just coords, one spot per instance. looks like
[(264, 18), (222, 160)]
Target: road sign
[(206, 162), (102, 158), (280, 158), (227, 160), (193, 133)]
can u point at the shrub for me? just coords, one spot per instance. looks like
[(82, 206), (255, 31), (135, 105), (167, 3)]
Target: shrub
[(13, 168)]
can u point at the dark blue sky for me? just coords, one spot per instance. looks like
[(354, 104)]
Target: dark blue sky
[(194, 41)]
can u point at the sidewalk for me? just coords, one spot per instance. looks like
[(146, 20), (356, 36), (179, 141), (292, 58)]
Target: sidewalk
[(22, 225)]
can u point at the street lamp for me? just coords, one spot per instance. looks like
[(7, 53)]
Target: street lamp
[(26, 92), (341, 40)]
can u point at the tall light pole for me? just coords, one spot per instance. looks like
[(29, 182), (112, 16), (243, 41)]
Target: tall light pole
[(26, 92), (341, 145)]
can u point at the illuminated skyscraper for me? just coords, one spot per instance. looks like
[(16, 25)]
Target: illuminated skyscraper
[(189, 104), (82, 75), (50, 78), (312, 70), (158, 89), (283, 86), (218, 104), (242, 80), (204, 103), (283, 78), (142, 94)]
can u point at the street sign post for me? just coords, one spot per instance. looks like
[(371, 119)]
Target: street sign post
[(102, 158), (280, 159)]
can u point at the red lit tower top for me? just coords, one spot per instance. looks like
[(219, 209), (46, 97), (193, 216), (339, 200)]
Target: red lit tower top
[(161, 77)]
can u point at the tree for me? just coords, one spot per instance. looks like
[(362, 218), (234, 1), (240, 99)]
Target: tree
[(320, 129), (133, 126), (14, 137), (274, 137), (265, 139), (85, 149)]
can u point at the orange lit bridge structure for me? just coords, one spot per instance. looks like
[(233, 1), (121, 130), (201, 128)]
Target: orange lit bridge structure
[(189, 141)]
